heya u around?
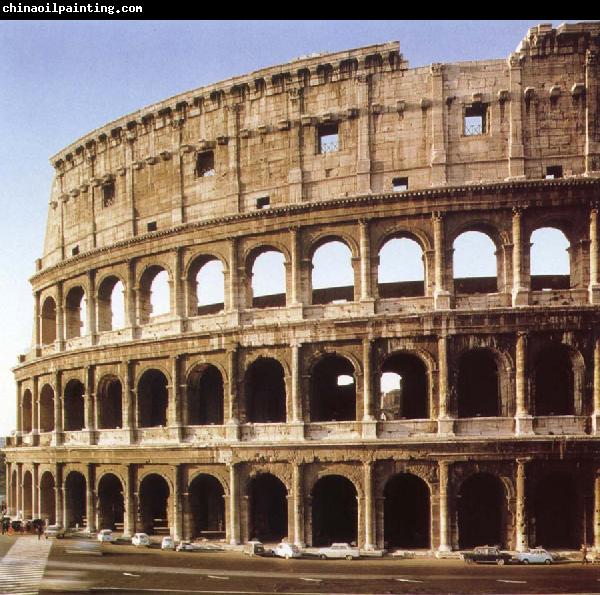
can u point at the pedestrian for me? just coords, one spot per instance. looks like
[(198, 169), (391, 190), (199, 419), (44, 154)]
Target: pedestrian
[(38, 530), (584, 554)]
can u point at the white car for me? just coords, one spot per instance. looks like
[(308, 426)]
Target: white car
[(185, 546), (141, 540), (168, 543), (287, 551), (106, 535), (536, 555), (339, 550)]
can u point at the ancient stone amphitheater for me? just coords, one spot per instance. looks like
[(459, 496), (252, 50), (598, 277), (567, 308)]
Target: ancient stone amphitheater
[(237, 413)]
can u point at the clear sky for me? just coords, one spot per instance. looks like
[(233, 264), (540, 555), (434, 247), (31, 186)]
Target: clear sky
[(62, 79)]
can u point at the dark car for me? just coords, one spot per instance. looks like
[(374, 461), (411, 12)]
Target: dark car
[(486, 554)]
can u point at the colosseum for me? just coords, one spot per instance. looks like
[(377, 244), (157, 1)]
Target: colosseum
[(233, 412)]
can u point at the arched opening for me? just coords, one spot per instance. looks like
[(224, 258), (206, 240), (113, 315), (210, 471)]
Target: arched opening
[(334, 511), (333, 390), (109, 403), (407, 512), (404, 388), (111, 504), (205, 396), (401, 271), (332, 278), (74, 408), (210, 286), (553, 381), (265, 391), (482, 508), (207, 504), (111, 304), (478, 387), (48, 322), (154, 295), (75, 488), (48, 498), (47, 409), (26, 412), (152, 399), (75, 313), (268, 279), (549, 260), (475, 275), (154, 504), (27, 495), (267, 508), (557, 512)]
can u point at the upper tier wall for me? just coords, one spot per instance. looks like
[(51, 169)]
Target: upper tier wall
[(540, 109)]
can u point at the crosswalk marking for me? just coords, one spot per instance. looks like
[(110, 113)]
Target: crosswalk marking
[(22, 568)]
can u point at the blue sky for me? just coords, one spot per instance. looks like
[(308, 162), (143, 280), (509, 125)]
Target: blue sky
[(62, 79)]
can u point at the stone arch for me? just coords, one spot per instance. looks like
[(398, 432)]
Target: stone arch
[(478, 384), (155, 493), (206, 498), (267, 284), (205, 395), (46, 421), (411, 399), (149, 297), (75, 312), (488, 275), (267, 507), (109, 318), (111, 502), (27, 504), (73, 405), (75, 499), (401, 272), (333, 392), (202, 302), (48, 497), (48, 321), (109, 402), (265, 391), (323, 292), (482, 510), (545, 255), (334, 510), (407, 512), (27, 411), (152, 398)]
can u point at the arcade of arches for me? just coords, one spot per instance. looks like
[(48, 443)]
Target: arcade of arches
[(425, 505)]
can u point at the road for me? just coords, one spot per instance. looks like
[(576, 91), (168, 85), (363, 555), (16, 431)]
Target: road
[(123, 569)]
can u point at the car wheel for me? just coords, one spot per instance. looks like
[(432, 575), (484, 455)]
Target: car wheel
[(323, 557), (348, 557), (547, 561), (525, 561), (500, 561)]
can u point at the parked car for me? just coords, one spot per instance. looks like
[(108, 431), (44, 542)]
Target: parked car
[(536, 555), (106, 535), (54, 531), (254, 548), (287, 551), (339, 550), (486, 554), (185, 546), (167, 543), (141, 540)]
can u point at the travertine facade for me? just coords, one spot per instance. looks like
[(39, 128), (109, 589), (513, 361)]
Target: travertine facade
[(262, 416)]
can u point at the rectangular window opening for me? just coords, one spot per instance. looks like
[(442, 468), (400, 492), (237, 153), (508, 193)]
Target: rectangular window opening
[(152, 226), (329, 138), (264, 202), (108, 194), (400, 184), (553, 172), (205, 164), (475, 119), (75, 251)]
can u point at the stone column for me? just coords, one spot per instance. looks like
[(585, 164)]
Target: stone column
[(520, 289), (234, 529), (523, 419), (232, 295), (441, 296), (363, 150), (129, 516), (177, 509), (596, 388), (369, 518), (57, 434), (37, 326), (91, 306), (295, 163), (60, 318), (592, 127), (594, 287), (178, 294), (59, 500), (516, 153), (445, 418), (366, 293), (298, 499), (89, 403), (19, 410), (231, 398), (444, 509), (520, 509), (438, 126), (597, 513), (90, 499), (296, 417), (35, 405), (369, 423), (174, 409), (295, 297)]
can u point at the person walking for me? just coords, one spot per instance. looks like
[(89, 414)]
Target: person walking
[(584, 554)]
